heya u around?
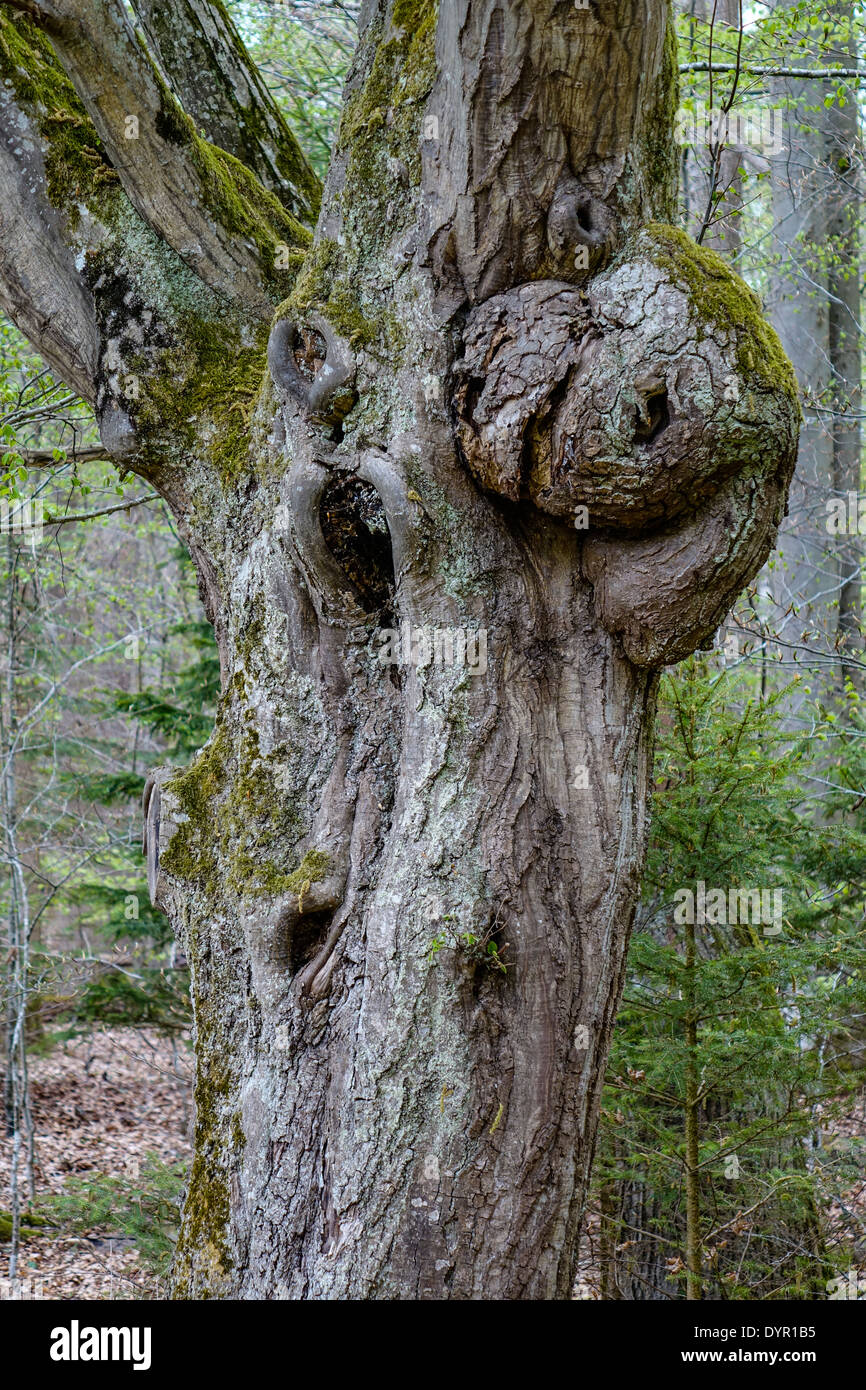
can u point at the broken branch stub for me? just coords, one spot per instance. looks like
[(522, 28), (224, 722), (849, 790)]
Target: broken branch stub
[(314, 365)]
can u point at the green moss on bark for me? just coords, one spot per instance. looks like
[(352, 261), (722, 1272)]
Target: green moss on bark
[(261, 822), (289, 158), (400, 79), (201, 393), (77, 169), (328, 286), (268, 881), (662, 154), (720, 297), (240, 825), (190, 854), (325, 285), (204, 1237), (380, 135), (380, 128), (236, 199), (253, 130)]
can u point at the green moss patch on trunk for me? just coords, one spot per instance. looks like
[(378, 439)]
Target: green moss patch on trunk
[(717, 295)]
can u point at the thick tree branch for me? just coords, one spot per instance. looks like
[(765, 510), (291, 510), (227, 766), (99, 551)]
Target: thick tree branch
[(759, 70), (219, 86), (40, 287), (204, 204)]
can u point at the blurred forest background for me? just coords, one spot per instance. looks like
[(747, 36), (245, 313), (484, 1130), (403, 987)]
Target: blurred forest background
[(731, 1155)]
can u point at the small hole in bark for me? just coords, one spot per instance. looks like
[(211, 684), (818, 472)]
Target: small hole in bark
[(655, 417), (308, 938), (310, 351), (584, 218), (356, 532)]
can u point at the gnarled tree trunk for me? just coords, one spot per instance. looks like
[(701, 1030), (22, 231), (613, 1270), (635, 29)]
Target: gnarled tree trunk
[(502, 402)]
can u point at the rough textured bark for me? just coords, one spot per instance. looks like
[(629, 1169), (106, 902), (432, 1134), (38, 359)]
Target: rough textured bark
[(845, 170), (815, 308), (205, 62), (493, 330)]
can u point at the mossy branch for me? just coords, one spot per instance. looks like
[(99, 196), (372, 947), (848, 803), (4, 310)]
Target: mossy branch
[(219, 86), (204, 203)]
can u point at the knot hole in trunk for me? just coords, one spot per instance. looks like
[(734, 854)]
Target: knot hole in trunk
[(652, 416), (355, 528), (315, 367)]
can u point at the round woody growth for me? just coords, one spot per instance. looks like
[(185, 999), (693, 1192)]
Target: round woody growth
[(634, 398), (654, 402)]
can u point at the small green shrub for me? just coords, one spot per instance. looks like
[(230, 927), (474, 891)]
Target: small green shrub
[(145, 1208), (474, 950)]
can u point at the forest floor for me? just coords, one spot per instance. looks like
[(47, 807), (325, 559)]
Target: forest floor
[(107, 1105), (101, 1105)]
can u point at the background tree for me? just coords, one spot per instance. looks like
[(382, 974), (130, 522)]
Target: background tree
[(732, 1048), (815, 305), (772, 219)]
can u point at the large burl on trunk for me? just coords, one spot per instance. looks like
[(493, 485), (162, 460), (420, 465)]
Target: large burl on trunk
[(493, 395)]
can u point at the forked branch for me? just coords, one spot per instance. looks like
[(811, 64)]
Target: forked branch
[(203, 203), (219, 86)]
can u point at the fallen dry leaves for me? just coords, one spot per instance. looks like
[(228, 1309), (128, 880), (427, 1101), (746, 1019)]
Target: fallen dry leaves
[(100, 1105)]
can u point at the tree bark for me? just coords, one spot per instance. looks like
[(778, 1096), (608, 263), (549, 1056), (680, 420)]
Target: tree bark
[(816, 311), (845, 171), (205, 61), (507, 406)]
